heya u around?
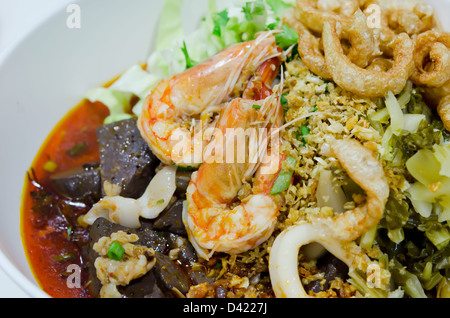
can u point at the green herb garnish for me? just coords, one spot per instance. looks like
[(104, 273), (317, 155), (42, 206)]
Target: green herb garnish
[(115, 251)]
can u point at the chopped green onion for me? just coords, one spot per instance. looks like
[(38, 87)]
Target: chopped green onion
[(304, 130), (63, 257), (283, 99), (284, 177), (286, 37), (284, 102), (160, 201), (69, 232), (50, 166), (78, 149), (272, 26), (187, 168), (256, 106), (115, 251)]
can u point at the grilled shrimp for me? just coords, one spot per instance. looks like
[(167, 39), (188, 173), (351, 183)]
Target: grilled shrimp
[(180, 109), (337, 233), (214, 220)]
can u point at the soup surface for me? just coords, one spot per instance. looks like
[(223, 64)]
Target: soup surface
[(50, 231)]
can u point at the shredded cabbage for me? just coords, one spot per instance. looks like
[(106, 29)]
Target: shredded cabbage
[(176, 51)]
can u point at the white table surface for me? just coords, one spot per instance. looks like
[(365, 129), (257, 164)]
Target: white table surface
[(17, 17)]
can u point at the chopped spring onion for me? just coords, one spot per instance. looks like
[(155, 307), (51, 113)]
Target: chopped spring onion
[(304, 130), (284, 102), (256, 106), (63, 257), (115, 251), (50, 166), (284, 177), (69, 232), (78, 149)]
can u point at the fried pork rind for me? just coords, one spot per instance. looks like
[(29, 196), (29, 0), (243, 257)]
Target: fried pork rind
[(360, 81), (370, 60), (364, 43), (443, 110), (308, 47), (432, 59), (313, 13)]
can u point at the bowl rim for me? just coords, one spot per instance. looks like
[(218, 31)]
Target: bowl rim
[(17, 276)]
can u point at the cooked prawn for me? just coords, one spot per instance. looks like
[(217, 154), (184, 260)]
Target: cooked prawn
[(213, 219), (195, 95), (336, 233)]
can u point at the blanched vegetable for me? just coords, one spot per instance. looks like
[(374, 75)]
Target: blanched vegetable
[(328, 194), (396, 215), (430, 167), (395, 112)]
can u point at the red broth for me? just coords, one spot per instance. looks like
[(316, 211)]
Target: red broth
[(51, 234)]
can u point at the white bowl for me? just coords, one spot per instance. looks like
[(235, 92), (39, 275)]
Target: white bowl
[(47, 72)]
